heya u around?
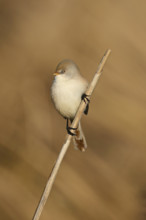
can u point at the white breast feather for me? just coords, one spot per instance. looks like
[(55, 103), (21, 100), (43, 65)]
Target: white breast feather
[(67, 95)]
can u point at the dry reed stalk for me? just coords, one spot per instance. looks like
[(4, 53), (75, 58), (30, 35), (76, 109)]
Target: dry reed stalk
[(65, 146)]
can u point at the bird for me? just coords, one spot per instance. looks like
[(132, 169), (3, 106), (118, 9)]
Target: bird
[(67, 91)]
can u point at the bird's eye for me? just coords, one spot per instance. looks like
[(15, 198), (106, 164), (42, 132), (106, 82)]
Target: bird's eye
[(62, 71)]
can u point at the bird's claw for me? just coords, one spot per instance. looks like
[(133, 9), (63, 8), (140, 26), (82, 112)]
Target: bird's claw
[(69, 131), (87, 101), (85, 98)]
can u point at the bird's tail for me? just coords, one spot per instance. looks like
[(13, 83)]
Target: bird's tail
[(79, 140)]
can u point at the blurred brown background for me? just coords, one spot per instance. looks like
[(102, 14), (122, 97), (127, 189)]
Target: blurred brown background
[(108, 181)]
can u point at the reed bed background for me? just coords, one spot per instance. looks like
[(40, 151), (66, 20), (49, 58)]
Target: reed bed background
[(108, 181)]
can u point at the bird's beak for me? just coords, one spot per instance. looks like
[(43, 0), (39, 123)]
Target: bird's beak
[(55, 74)]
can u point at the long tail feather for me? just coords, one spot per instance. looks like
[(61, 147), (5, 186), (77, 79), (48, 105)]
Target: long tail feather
[(79, 140)]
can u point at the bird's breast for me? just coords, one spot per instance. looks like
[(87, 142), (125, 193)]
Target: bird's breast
[(67, 97)]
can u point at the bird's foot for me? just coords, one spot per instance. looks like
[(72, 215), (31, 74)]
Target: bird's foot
[(68, 128), (69, 131), (87, 101)]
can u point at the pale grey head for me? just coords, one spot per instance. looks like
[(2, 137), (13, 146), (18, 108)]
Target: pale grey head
[(67, 69)]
